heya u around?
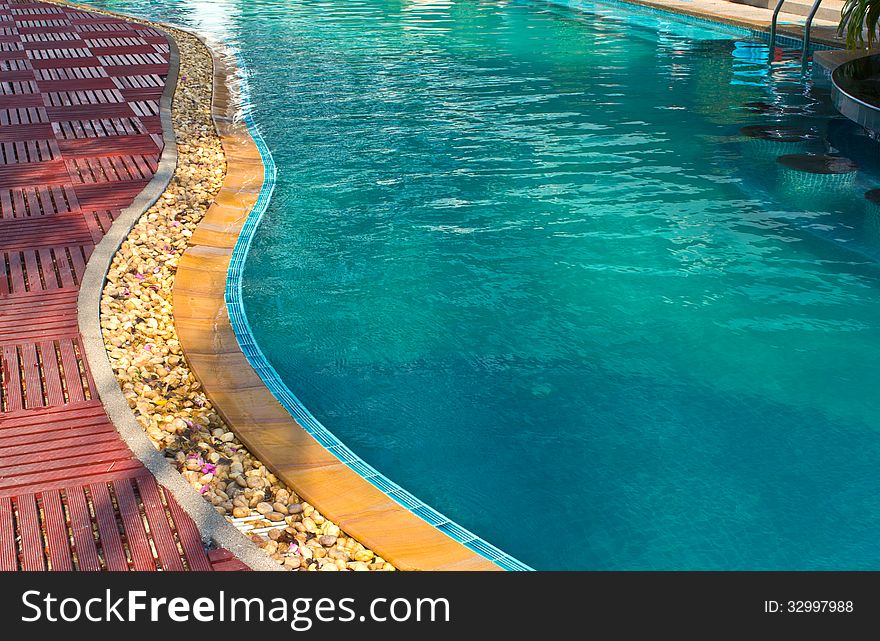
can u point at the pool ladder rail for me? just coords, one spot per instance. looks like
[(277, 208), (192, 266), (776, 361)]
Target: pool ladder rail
[(807, 25)]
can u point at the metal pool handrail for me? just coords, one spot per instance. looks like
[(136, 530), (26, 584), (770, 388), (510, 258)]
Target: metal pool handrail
[(773, 25), (807, 26)]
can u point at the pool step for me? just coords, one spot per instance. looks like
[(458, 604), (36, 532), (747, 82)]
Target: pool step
[(769, 142), (816, 181), (819, 164)]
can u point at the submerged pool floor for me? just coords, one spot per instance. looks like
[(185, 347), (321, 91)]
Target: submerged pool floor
[(526, 262)]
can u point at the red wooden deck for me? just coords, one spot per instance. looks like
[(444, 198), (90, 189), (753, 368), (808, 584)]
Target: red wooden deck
[(80, 137)]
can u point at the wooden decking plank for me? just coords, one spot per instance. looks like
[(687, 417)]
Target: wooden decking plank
[(32, 553), (69, 457), (4, 275), (16, 272), (163, 538), (13, 397), (56, 532), (71, 371), (31, 474), (8, 553), (54, 443), (18, 203), (34, 283), (48, 297), (233, 565), (45, 330), (81, 527), (40, 417), (79, 264), (64, 268), (51, 373), (89, 473), (188, 534), (48, 265), (135, 534), (32, 379), (6, 209), (50, 437), (104, 218), (111, 542)]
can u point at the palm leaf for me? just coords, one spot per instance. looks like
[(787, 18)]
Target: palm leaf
[(859, 22)]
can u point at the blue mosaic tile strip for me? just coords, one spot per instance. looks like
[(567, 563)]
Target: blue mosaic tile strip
[(261, 365)]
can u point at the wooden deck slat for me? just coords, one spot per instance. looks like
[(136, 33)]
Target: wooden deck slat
[(31, 369), (54, 443), (33, 272), (64, 268), (85, 473), (233, 565), (51, 373), (188, 535), (81, 527), (8, 554), (111, 542), (69, 457), (30, 530), (12, 379), (40, 416), (169, 556), (56, 532), (71, 371), (16, 272), (136, 535), (4, 281)]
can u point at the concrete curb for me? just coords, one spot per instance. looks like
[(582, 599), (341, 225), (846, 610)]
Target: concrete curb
[(213, 528)]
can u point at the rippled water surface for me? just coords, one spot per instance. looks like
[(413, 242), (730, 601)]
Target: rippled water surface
[(522, 261)]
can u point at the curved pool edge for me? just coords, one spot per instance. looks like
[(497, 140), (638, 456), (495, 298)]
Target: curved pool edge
[(222, 353), (858, 102)]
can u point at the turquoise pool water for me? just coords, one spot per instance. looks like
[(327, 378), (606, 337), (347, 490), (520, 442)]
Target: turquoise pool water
[(523, 262)]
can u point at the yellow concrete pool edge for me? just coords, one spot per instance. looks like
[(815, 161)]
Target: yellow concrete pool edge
[(240, 395)]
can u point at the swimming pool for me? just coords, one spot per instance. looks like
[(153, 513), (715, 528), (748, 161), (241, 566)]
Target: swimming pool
[(523, 261)]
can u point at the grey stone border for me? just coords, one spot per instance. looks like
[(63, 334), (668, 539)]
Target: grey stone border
[(214, 529)]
